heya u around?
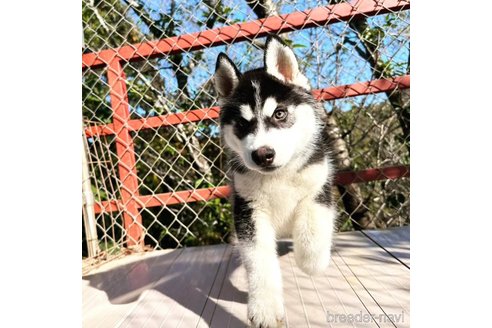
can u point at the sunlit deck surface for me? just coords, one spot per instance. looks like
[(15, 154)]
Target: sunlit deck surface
[(368, 278)]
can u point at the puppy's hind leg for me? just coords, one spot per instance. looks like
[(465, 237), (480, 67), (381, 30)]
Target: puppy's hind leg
[(312, 234)]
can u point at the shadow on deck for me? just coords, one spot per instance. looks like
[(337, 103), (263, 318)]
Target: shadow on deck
[(366, 285)]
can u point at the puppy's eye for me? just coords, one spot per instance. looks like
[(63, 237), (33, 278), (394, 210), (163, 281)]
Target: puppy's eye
[(280, 114)]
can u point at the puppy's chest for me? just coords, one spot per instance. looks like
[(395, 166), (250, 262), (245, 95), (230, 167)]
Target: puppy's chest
[(279, 195)]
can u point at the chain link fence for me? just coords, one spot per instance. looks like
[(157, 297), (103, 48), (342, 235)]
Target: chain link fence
[(154, 155)]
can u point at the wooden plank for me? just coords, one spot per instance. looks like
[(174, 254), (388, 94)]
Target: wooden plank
[(192, 319), (395, 241), (366, 300), (337, 296), (97, 311), (386, 287), (295, 309), (384, 278), (207, 287), (365, 255), (111, 291), (178, 297), (309, 299), (211, 305), (231, 304)]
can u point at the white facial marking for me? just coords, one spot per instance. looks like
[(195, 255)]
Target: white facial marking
[(269, 107), (231, 140), (246, 112), (286, 142), (256, 86)]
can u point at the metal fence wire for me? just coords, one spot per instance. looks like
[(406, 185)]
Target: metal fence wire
[(155, 163)]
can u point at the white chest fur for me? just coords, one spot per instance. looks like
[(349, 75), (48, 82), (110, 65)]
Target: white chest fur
[(277, 195)]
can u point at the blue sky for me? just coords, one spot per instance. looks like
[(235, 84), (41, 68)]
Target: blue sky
[(314, 47)]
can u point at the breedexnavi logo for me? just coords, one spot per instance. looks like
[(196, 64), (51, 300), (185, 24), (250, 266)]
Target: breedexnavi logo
[(364, 317)]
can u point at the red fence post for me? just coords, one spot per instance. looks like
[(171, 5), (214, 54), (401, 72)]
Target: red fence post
[(126, 153)]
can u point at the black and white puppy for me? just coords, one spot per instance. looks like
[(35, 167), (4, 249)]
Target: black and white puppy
[(281, 172)]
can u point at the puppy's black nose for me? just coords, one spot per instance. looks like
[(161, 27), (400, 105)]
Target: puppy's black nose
[(263, 156)]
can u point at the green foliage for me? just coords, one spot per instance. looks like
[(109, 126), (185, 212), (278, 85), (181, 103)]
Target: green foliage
[(110, 247), (99, 195), (374, 138)]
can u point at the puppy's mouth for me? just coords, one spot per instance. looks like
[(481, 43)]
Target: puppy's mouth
[(269, 168), (263, 169)]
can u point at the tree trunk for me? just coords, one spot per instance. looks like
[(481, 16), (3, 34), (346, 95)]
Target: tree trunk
[(399, 99), (351, 195)]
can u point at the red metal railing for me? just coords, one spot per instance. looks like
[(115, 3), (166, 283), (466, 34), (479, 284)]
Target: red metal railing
[(242, 31), (125, 151), (122, 125)]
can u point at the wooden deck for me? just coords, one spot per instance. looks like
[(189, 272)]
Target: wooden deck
[(367, 284)]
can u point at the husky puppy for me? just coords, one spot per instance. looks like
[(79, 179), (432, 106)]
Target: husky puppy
[(281, 172)]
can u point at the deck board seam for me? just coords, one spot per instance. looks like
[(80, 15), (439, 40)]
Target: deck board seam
[(319, 296), (383, 286), (299, 290), (213, 284), (184, 313), (221, 287), (353, 289), (365, 288), (387, 251), (336, 293)]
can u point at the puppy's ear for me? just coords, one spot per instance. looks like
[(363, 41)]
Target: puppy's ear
[(226, 76), (281, 62)]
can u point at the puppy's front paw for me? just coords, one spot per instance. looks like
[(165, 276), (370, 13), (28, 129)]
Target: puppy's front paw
[(312, 260), (266, 313), (312, 238)]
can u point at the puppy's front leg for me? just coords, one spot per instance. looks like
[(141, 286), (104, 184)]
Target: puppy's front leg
[(257, 247), (312, 234)]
